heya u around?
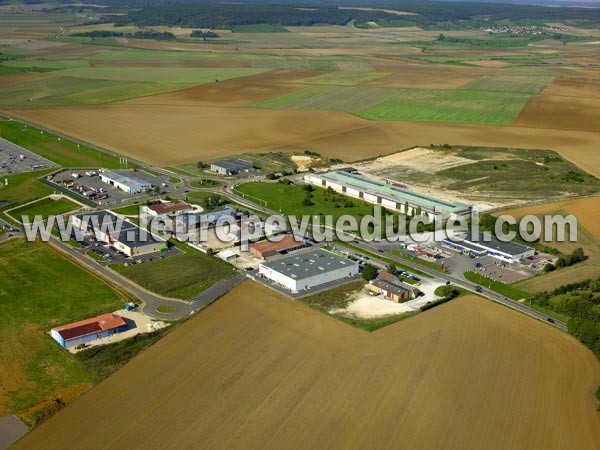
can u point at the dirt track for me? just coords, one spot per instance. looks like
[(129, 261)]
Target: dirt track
[(258, 371), (166, 135)]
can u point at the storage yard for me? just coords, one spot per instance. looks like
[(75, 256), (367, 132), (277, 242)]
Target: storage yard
[(467, 375)]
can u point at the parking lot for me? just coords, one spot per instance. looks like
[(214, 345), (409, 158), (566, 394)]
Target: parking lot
[(87, 182), (15, 159), (109, 255)]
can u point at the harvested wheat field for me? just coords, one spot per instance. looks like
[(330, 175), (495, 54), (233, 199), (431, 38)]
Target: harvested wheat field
[(574, 87), (256, 370), (165, 135), (559, 112), (587, 212), (234, 92)]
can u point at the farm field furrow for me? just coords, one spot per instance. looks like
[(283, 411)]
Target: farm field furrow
[(531, 84), (466, 375), (144, 131), (462, 106)]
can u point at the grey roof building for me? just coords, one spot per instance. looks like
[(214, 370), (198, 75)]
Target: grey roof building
[(308, 269), (232, 166)]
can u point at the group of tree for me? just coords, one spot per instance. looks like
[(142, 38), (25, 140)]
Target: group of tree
[(339, 200), (580, 302), (204, 34), (212, 201), (576, 256), (145, 34), (308, 189)]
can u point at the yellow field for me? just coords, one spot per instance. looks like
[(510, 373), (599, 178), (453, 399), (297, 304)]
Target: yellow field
[(587, 212), (165, 135), (258, 371)]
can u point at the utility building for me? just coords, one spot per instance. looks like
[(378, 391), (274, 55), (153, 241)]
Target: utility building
[(387, 195), (88, 330), (125, 181), (232, 167), (308, 269)]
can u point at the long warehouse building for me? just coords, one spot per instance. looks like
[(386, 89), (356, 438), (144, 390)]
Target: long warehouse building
[(387, 195)]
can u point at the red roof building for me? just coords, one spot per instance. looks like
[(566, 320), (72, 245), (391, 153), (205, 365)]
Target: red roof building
[(88, 330)]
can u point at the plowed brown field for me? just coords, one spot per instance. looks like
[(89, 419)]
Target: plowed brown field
[(235, 92), (574, 87), (258, 371), (561, 113), (165, 135)]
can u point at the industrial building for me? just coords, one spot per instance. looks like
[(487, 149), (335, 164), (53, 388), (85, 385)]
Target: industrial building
[(264, 249), (209, 219), (228, 167), (167, 208), (88, 330), (125, 181), (387, 195), (308, 269), (510, 252), (120, 234)]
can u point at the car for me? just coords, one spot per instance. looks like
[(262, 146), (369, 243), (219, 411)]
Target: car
[(447, 283), (550, 319), (414, 277), (478, 265), (478, 288)]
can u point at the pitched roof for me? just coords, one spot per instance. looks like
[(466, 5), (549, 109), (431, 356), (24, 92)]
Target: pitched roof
[(169, 207), (267, 246), (90, 326)]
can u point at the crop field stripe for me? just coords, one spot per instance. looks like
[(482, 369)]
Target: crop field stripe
[(460, 106), (345, 78), (160, 74), (527, 84)]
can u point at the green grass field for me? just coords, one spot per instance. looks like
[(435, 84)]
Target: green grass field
[(182, 276), (63, 152), (34, 92), (288, 199), (45, 64), (331, 98), (45, 207), (40, 290), (507, 290), (345, 78), (454, 106), (159, 74), (259, 28), (130, 210), (528, 84)]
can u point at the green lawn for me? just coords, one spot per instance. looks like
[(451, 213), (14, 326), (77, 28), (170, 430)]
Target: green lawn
[(259, 28), (40, 290), (345, 78), (24, 187), (331, 98), (159, 74), (130, 210), (507, 290), (112, 93), (205, 183), (37, 92), (63, 152), (288, 199), (454, 106), (182, 276), (527, 84), (45, 207)]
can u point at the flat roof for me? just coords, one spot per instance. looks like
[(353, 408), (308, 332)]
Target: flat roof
[(200, 218), (389, 191), (233, 164), (510, 248), (90, 326), (129, 233), (125, 177), (308, 264)]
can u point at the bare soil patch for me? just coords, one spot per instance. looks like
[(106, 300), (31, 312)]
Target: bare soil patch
[(562, 113), (165, 135), (574, 87), (235, 92), (23, 77), (258, 371)]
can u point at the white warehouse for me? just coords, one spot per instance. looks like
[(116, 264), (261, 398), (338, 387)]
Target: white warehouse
[(308, 269), (124, 181), (387, 195)]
